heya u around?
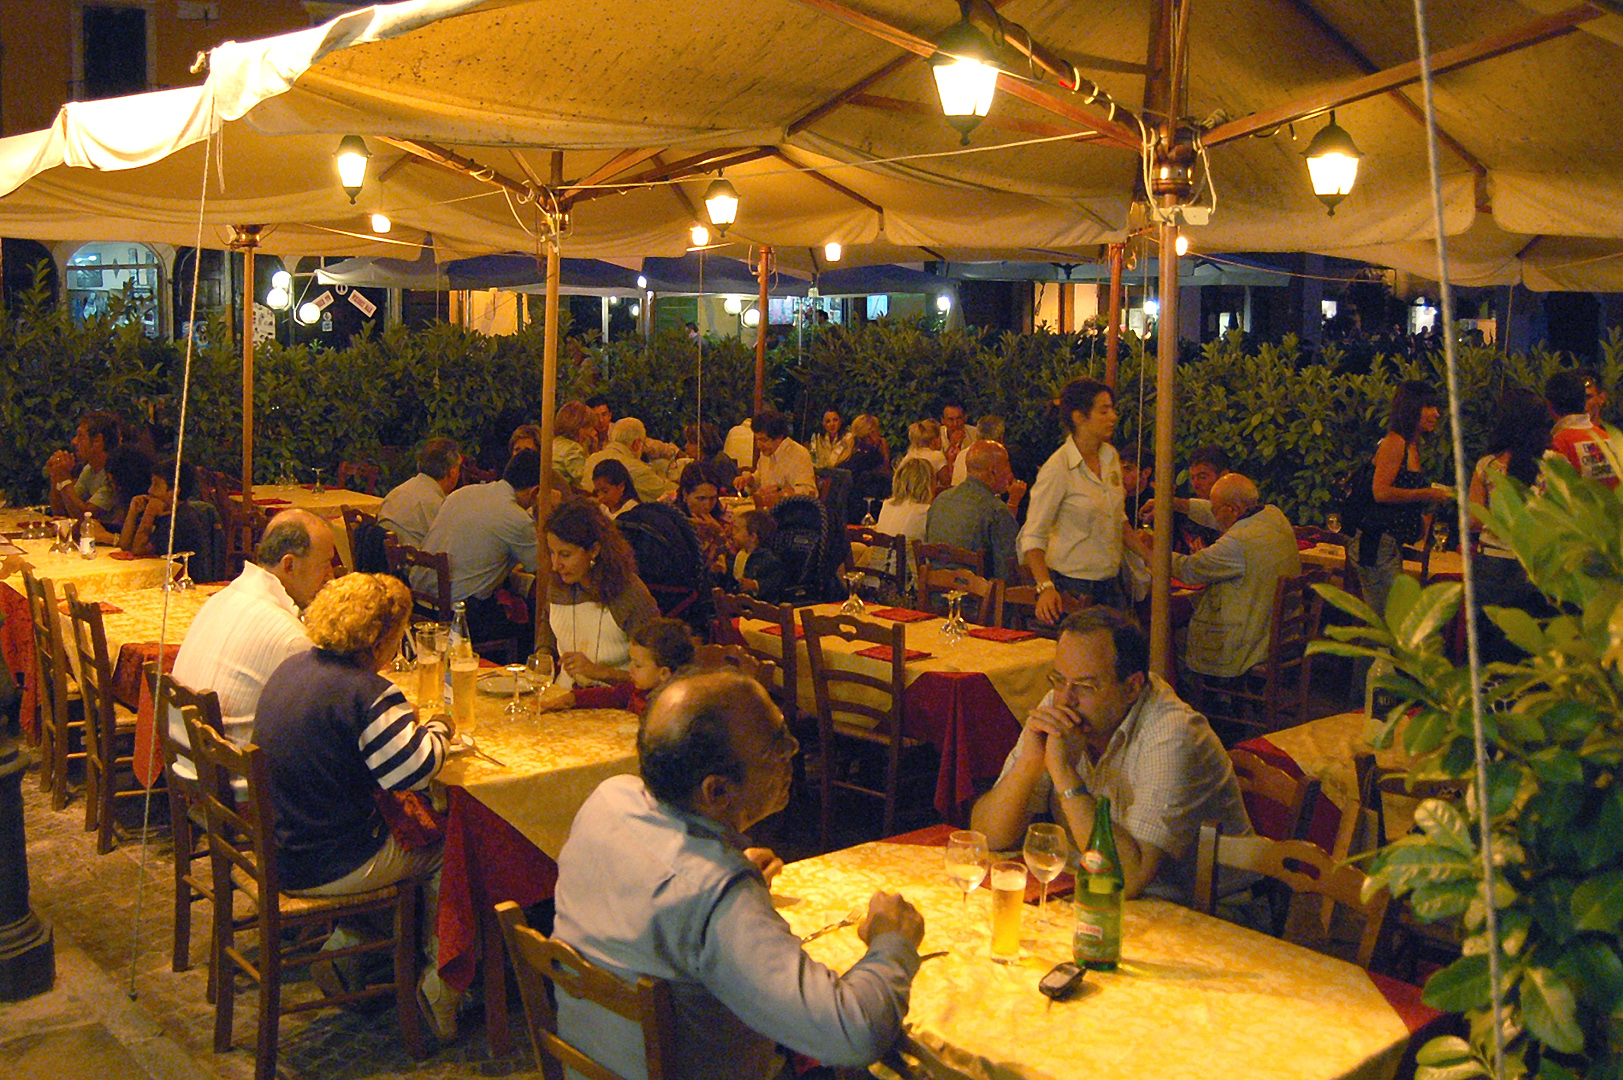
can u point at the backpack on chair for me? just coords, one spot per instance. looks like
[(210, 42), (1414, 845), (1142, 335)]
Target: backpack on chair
[(670, 562), (801, 545)]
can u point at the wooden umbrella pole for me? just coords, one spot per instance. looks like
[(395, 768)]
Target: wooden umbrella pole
[(1118, 258), (760, 332), (549, 392), (246, 240), (1166, 337)]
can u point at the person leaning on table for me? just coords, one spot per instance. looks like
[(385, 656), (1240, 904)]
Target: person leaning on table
[(1110, 728), (657, 879)]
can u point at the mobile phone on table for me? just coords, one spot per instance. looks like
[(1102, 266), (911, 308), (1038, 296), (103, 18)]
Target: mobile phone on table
[(1062, 982)]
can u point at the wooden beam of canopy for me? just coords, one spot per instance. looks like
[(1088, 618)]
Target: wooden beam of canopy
[(1399, 98), (626, 159), (1025, 91), (760, 330), (1519, 37), (710, 159), (850, 93), (455, 162), (245, 238), (830, 183), (549, 397), (991, 123)]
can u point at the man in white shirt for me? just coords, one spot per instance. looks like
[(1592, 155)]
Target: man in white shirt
[(245, 631), (740, 443), (409, 509), (627, 438), (784, 467)]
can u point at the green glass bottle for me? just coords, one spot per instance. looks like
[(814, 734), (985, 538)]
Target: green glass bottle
[(1096, 941)]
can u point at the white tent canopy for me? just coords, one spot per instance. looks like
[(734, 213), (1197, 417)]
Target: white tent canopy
[(632, 94)]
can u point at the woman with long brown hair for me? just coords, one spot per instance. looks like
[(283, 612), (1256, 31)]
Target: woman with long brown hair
[(595, 600)]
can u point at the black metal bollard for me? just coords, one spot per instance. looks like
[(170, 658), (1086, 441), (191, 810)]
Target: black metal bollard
[(27, 952)]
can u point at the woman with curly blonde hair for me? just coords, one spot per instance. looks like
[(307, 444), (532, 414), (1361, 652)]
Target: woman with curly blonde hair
[(335, 734)]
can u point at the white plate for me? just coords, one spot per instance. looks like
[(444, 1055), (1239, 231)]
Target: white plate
[(500, 683)]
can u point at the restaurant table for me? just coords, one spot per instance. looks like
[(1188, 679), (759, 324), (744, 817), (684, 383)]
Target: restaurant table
[(1194, 996), (968, 698), (506, 823), (109, 570), (328, 503), (1333, 557)]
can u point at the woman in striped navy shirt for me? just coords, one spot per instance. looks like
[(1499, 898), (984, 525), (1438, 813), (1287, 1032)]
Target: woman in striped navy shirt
[(335, 733)]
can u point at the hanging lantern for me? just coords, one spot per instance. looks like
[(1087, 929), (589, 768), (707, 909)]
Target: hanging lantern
[(352, 155), (1332, 164), (721, 201), (965, 76)]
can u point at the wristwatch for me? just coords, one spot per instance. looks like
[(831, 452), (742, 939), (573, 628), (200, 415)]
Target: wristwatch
[(1044, 586), (63, 485), (1073, 792)]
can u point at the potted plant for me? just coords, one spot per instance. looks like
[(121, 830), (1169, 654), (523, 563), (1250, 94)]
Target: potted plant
[(1553, 726)]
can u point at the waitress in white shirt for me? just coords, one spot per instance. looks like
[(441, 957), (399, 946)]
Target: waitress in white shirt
[(595, 600), (1072, 540)]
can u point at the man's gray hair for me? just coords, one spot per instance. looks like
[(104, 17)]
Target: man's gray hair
[(438, 457), (627, 430), (287, 535)]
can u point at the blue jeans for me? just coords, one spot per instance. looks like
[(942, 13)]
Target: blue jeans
[(1375, 581)]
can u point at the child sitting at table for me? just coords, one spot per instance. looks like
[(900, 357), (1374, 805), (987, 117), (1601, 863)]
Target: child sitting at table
[(659, 648), (756, 567)]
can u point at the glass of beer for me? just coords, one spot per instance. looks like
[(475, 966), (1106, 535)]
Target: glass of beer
[(1008, 897), (464, 674), (430, 669)]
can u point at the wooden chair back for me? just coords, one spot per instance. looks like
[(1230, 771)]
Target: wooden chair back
[(945, 555), (730, 606), (741, 659), (1294, 796), (1301, 866), (433, 602), (366, 472), (1020, 609), (892, 577), (1277, 689), (542, 963), (936, 581), (244, 526), (103, 762), (54, 698), (853, 704)]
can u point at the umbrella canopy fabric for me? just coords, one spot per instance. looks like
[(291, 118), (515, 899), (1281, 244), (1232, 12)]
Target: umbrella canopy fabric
[(651, 98)]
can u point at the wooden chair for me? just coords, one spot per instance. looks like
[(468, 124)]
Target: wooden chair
[(542, 963), (739, 658), (1276, 689), (430, 603), (892, 581), (186, 823), (1261, 782), (846, 697), (1020, 610), (242, 855), (1299, 865), (366, 472), (244, 526), (368, 541), (934, 581), (61, 712), (944, 555), (109, 726), (730, 606)]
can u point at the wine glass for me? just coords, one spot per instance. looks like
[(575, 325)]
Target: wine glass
[(539, 665), (515, 672), (1332, 522), (853, 602), (869, 521), (318, 489), (1046, 851), (967, 860), (1440, 533), (955, 627), (185, 584)]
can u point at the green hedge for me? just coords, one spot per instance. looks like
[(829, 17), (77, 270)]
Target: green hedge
[(1293, 426)]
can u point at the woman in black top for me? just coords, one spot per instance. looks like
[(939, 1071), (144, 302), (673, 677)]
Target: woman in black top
[(1403, 498)]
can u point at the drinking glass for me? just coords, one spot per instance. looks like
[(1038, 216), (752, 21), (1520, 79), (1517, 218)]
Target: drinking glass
[(318, 488), (869, 521), (186, 583), (64, 536), (1008, 897), (955, 627), (1440, 533), (1332, 522), (853, 602), (515, 672), (1046, 851), (430, 669), (464, 682), (966, 860), (541, 672)]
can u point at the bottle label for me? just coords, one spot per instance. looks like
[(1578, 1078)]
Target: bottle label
[(1094, 862), (1092, 931)]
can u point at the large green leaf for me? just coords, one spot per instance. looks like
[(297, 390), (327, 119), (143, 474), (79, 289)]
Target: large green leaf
[(1412, 862), (1460, 986), (1443, 823), (1551, 1009), (1435, 605)]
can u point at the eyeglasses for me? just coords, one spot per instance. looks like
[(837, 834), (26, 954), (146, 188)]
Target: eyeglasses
[(784, 745), (1066, 688)]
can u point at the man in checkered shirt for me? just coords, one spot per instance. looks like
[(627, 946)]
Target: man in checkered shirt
[(1110, 728)]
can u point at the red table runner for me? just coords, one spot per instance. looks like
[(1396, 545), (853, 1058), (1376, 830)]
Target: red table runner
[(17, 650), (130, 688)]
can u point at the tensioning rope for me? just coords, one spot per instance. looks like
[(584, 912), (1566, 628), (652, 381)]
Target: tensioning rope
[(1461, 485)]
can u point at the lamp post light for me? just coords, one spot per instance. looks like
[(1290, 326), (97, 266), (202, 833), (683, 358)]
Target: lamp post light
[(965, 76), (832, 251), (721, 202), (352, 155), (700, 236), (1332, 164)]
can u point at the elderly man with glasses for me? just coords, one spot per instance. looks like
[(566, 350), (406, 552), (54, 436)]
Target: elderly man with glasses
[(1110, 728)]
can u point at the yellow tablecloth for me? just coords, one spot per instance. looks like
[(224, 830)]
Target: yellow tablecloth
[(328, 504), (1195, 997), (1018, 670), (98, 577), (1325, 748), (549, 765), (1333, 557)]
